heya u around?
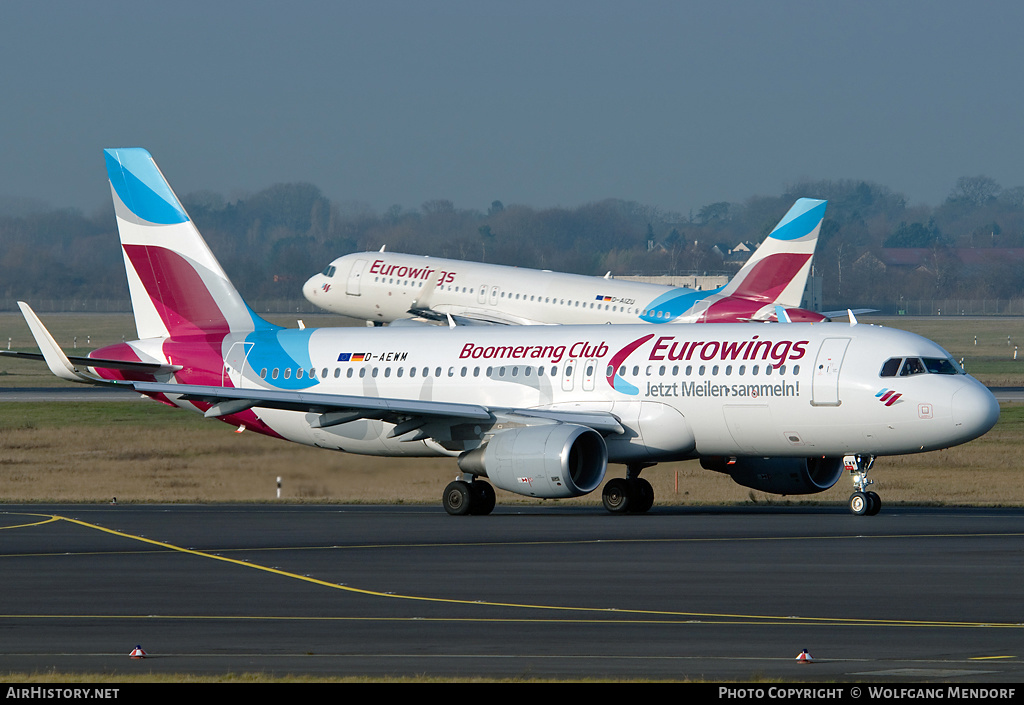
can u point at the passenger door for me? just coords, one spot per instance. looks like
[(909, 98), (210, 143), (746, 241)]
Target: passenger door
[(825, 384)]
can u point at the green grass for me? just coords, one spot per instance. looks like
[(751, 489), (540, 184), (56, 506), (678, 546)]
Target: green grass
[(969, 338), (1011, 420), (95, 330), (135, 415)]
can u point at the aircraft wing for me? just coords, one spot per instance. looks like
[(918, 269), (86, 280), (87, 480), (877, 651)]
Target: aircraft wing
[(846, 312), (460, 320), (151, 368), (407, 414), (422, 308), (471, 317)]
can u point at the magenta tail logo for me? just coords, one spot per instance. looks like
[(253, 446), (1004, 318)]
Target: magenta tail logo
[(888, 396), (614, 380)]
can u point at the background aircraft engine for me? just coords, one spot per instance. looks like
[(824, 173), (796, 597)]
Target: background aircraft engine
[(551, 461), (779, 475)]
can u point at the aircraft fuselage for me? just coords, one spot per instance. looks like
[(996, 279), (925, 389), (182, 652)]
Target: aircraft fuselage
[(771, 390), (385, 287)]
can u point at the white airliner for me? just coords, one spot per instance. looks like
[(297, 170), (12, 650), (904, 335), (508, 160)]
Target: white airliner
[(539, 410), (386, 286)]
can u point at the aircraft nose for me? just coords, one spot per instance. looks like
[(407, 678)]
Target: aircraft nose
[(310, 288), (975, 410)]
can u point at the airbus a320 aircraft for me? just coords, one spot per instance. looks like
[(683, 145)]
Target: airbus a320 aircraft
[(540, 411), (385, 286)]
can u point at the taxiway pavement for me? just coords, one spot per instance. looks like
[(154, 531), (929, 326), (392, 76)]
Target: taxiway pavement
[(913, 594)]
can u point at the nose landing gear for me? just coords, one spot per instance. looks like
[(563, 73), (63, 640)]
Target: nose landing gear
[(862, 501)]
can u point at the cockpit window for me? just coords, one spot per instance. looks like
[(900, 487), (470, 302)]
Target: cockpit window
[(891, 367), (905, 367), (941, 366), (330, 270), (912, 366)]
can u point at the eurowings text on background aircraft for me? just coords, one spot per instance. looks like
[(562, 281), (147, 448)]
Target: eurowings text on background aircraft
[(383, 287), (538, 410)]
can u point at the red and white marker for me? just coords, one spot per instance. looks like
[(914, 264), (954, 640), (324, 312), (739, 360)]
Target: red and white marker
[(804, 657), (137, 652)]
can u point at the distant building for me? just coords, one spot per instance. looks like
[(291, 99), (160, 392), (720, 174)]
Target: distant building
[(914, 259)]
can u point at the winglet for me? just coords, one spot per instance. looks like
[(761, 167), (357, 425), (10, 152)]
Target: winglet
[(853, 319), (55, 358), (422, 299), (781, 315)]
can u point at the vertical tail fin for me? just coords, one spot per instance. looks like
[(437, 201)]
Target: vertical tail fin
[(777, 271), (177, 286)]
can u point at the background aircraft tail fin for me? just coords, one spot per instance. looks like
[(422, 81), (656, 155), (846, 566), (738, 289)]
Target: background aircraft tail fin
[(177, 286), (777, 271)]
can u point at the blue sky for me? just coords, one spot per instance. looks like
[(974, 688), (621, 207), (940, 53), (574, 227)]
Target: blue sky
[(672, 104)]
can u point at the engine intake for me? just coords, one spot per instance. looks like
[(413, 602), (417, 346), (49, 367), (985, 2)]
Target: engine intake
[(779, 475), (550, 461)]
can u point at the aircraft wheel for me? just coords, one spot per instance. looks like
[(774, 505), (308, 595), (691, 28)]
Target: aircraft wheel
[(876, 503), (616, 496), (483, 497), (643, 496), (457, 498), (859, 503)]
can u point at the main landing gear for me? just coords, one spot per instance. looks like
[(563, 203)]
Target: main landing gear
[(468, 496), (862, 501), (629, 495)]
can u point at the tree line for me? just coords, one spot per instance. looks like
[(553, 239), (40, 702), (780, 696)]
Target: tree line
[(271, 241)]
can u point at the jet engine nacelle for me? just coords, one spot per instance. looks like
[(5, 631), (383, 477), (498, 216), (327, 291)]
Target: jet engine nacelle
[(779, 475), (551, 461)]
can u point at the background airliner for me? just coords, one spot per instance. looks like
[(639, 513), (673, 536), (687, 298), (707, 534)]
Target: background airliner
[(386, 286), (539, 410)]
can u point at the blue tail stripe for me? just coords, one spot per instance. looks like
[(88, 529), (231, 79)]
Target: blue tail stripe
[(798, 225), (141, 186)]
